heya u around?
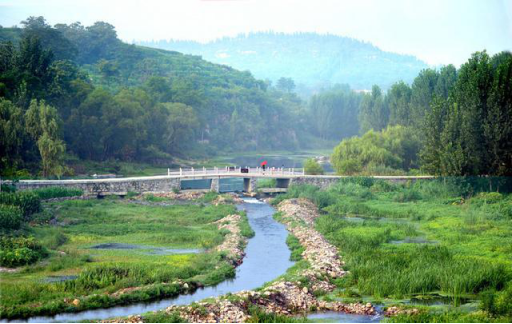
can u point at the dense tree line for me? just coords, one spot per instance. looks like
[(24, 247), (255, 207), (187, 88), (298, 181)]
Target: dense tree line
[(72, 91), (470, 132), (460, 119), (334, 113), (103, 99)]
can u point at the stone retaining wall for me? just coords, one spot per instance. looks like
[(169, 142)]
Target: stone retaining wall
[(97, 186), (323, 182)]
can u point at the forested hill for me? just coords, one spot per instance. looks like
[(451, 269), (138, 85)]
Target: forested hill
[(310, 59), (105, 99)]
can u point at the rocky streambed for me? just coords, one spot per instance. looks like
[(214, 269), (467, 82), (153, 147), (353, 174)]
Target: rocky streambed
[(266, 258), (282, 297)]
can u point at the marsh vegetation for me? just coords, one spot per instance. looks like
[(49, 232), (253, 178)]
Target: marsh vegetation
[(68, 237), (456, 245)]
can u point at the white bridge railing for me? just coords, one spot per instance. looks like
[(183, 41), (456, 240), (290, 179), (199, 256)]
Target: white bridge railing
[(238, 171)]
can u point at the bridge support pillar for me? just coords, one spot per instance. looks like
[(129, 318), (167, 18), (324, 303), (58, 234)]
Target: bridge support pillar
[(215, 186), (250, 184)]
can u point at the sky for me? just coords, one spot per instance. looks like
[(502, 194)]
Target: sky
[(436, 31)]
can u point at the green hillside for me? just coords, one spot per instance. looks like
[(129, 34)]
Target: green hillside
[(113, 100), (310, 59)]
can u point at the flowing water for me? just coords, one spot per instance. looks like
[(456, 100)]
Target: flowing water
[(267, 257), (337, 317)]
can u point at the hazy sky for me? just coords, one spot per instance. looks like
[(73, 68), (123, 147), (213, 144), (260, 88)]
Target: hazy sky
[(436, 31)]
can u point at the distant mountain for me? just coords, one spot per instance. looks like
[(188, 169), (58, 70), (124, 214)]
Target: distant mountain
[(310, 59)]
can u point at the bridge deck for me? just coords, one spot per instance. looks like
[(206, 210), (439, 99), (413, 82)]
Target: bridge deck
[(209, 175)]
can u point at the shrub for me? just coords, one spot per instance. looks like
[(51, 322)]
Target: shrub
[(407, 195), (18, 251), (209, 197), (8, 187), (383, 186), (489, 197), (352, 189), (311, 166), (362, 181), (57, 192), (10, 218), (497, 303), (28, 202)]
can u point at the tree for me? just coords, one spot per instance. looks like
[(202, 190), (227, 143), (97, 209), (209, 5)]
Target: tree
[(181, 125), (470, 95), (108, 69), (399, 99), (12, 134), (51, 38), (311, 166), (497, 125), (422, 90), (334, 113), (374, 111), (42, 124), (434, 127), (393, 150), (285, 84), (52, 151), (445, 81)]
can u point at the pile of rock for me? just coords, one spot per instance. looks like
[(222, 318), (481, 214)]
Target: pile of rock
[(184, 195), (394, 311), (233, 241), (129, 319), (323, 256), (228, 198), (282, 297), (218, 311)]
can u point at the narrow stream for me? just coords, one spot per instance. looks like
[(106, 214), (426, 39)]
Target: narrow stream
[(267, 257)]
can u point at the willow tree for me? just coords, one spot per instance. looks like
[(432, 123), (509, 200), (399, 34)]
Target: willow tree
[(42, 124)]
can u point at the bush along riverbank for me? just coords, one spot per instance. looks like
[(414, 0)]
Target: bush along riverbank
[(292, 295), (85, 270)]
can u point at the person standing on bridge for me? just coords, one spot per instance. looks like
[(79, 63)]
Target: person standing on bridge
[(264, 165)]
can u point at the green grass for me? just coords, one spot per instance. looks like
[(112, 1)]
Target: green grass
[(470, 254), (295, 247), (57, 192), (267, 183), (85, 223)]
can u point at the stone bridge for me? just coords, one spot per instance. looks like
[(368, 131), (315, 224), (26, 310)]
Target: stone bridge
[(172, 181)]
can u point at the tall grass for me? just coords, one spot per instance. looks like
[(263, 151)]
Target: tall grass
[(89, 222), (450, 210), (57, 192)]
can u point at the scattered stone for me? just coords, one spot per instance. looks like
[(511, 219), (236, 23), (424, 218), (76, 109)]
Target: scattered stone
[(227, 198), (394, 311), (182, 195)]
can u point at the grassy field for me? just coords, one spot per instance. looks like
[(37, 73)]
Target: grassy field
[(79, 225), (419, 244)]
